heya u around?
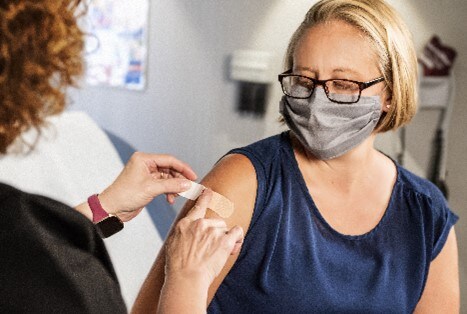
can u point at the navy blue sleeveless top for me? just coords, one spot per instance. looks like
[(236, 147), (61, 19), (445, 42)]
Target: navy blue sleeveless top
[(293, 261)]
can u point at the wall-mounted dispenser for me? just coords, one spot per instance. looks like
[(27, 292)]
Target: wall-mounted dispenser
[(252, 69)]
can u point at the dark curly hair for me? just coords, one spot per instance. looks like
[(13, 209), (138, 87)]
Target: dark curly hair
[(40, 56)]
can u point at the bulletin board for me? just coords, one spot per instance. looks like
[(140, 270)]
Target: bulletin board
[(117, 43)]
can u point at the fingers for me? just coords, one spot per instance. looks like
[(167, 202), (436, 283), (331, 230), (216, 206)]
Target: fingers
[(171, 198), (199, 210), (170, 162), (235, 237), (169, 186), (237, 248)]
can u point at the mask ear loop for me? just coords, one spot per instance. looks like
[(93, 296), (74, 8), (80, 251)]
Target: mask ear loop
[(388, 106), (385, 110), (402, 136)]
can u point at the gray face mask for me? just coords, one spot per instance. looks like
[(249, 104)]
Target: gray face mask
[(327, 129)]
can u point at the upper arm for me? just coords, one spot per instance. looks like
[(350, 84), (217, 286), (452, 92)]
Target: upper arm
[(234, 177), (442, 293)]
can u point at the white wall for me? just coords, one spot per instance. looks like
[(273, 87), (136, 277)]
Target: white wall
[(448, 19), (188, 108)]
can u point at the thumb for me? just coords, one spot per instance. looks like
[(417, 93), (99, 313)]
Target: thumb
[(199, 210), (169, 186), (235, 236)]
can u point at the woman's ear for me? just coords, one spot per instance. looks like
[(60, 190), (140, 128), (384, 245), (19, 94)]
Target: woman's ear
[(386, 101)]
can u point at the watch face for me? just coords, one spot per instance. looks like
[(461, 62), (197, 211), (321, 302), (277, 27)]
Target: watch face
[(110, 226)]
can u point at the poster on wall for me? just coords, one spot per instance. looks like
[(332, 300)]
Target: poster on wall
[(116, 43)]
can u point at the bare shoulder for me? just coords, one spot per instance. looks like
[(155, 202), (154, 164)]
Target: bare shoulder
[(233, 168), (234, 177)]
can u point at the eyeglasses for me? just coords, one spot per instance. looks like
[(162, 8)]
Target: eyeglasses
[(339, 91)]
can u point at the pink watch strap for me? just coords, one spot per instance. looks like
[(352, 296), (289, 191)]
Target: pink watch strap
[(98, 213)]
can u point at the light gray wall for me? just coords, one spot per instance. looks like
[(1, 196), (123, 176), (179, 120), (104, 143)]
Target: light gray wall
[(448, 19), (188, 107)]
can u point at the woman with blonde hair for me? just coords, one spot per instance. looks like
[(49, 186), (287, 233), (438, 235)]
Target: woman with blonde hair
[(333, 225)]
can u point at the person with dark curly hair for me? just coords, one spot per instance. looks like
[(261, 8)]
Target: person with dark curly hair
[(52, 258), (40, 56)]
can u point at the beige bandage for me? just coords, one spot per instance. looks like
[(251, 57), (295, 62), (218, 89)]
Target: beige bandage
[(219, 203)]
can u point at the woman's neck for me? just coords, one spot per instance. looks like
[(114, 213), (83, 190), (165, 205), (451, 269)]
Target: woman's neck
[(345, 172)]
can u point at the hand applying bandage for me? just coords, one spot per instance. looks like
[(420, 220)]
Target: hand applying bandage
[(218, 203), (144, 177), (196, 251)]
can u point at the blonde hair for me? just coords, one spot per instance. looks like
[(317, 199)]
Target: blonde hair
[(40, 56), (392, 43)]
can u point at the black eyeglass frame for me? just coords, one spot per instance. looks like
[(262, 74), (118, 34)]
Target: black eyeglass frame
[(361, 85)]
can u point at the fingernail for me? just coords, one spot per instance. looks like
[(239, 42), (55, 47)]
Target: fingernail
[(186, 184)]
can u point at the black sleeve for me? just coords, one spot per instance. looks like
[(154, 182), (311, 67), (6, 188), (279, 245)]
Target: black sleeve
[(52, 260)]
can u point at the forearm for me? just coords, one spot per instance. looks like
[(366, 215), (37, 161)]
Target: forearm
[(106, 203), (149, 294), (183, 295), (84, 209)]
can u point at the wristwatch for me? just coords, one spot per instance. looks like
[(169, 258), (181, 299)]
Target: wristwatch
[(106, 223)]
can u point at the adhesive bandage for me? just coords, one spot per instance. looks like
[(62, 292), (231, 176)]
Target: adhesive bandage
[(219, 203)]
